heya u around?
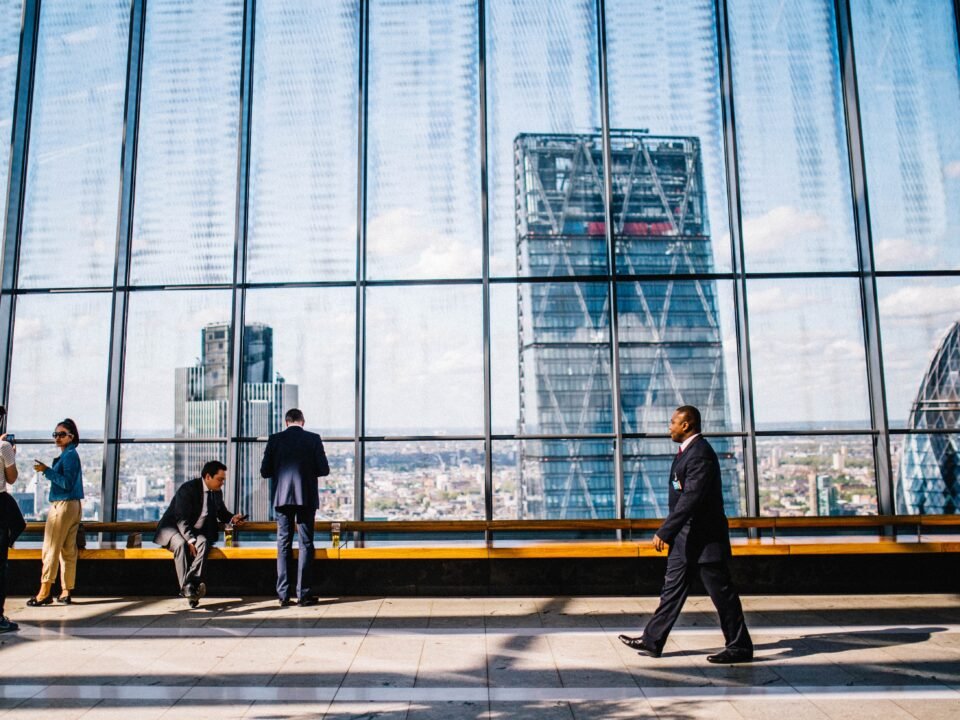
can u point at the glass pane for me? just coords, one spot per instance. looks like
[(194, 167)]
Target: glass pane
[(176, 373), (791, 141), (303, 151), (76, 134), (542, 77), (435, 480), (688, 163), (59, 364), (336, 489), (183, 227), (32, 489), (424, 356), (926, 471), (151, 473), (822, 475), (806, 344), (678, 346), (10, 13), (646, 475), (309, 352), (556, 480), (563, 337), (921, 350), (423, 215), (907, 76)]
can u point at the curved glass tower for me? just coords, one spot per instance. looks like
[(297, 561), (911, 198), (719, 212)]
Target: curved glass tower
[(929, 479)]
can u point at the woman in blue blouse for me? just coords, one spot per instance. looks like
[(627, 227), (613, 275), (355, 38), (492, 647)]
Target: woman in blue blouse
[(63, 520)]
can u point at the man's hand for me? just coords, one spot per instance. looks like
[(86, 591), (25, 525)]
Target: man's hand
[(238, 520), (658, 543), (192, 547), (3, 438)]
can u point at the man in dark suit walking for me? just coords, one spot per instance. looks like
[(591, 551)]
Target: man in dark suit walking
[(294, 460), (189, 527), (699, 539)]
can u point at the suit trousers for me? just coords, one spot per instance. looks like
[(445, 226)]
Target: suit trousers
[(189, 567), (676, 587), (60, 543), (289, 516)]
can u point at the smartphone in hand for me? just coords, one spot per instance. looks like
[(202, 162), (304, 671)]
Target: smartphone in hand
[(11, 438)]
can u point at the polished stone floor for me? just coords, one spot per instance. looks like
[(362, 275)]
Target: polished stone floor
[(892, 656)]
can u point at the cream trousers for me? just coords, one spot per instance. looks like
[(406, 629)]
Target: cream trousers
[(60, 542)]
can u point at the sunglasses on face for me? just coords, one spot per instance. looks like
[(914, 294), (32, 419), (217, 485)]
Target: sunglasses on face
[(61, 434)]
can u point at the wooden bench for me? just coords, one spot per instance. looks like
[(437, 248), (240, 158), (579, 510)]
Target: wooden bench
[(890, 539)]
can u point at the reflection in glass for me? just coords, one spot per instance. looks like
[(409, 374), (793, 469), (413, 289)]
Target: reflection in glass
[(313, 348), (424, 480), (806, 343), (678, 346), (791, 141), (177, 360), (424, 360), (926, 471), (149, 478), (646, 474), (423, 216), (10, 12), (907, 77), (916, 316), (303, 150), (76, 133), (59, 364), (645, 79), (336, 489), (32, 489), (183, 225), (542, 77), (566, 480), (819, 475)]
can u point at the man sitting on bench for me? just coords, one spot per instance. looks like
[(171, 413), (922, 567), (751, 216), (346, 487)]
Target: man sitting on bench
[(189, 527)]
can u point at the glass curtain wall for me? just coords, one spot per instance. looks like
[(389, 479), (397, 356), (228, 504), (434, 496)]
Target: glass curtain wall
[(487, 247)]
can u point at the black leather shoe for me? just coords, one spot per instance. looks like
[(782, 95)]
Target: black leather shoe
[(308, 601), (33, 602), (729, 656), (286, 602), (65, 599), (637, 643)]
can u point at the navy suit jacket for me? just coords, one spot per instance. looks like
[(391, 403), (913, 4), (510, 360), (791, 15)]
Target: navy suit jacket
[(294, 460), (697, 526), (184, 511)]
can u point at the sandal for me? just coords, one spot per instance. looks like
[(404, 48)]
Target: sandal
[(34, 602)]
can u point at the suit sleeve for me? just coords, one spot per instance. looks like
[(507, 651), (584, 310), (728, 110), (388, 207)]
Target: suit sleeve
[(696, 481), (266, 465), (183, 511), (223, 515), (323, 468)]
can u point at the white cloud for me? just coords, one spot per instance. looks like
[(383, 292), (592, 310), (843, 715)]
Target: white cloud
[(779, 228), (404, 241), (952, 170), (922, 301), (903, 252)]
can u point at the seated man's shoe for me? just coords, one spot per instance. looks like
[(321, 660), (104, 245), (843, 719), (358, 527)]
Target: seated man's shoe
[(34, 602), (637, 643), (201, 590), (728, 656), (7, 625), (308, 601), (286, 602), (189, 592)]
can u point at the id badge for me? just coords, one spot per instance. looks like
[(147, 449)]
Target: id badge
[(676, 484)]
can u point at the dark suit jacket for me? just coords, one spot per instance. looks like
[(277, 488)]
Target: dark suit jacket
[(294, 460), (184, 511), (697, 526)]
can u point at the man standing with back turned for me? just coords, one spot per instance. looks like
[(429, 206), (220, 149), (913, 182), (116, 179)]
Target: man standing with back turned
[(294, 460), (699, 539)]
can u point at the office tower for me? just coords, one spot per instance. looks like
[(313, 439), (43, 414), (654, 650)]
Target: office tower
[(929, 477), (670, 341), (202, 408)]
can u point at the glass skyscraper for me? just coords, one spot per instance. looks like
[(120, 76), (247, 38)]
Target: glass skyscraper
[(929, 478), (670, 346)]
